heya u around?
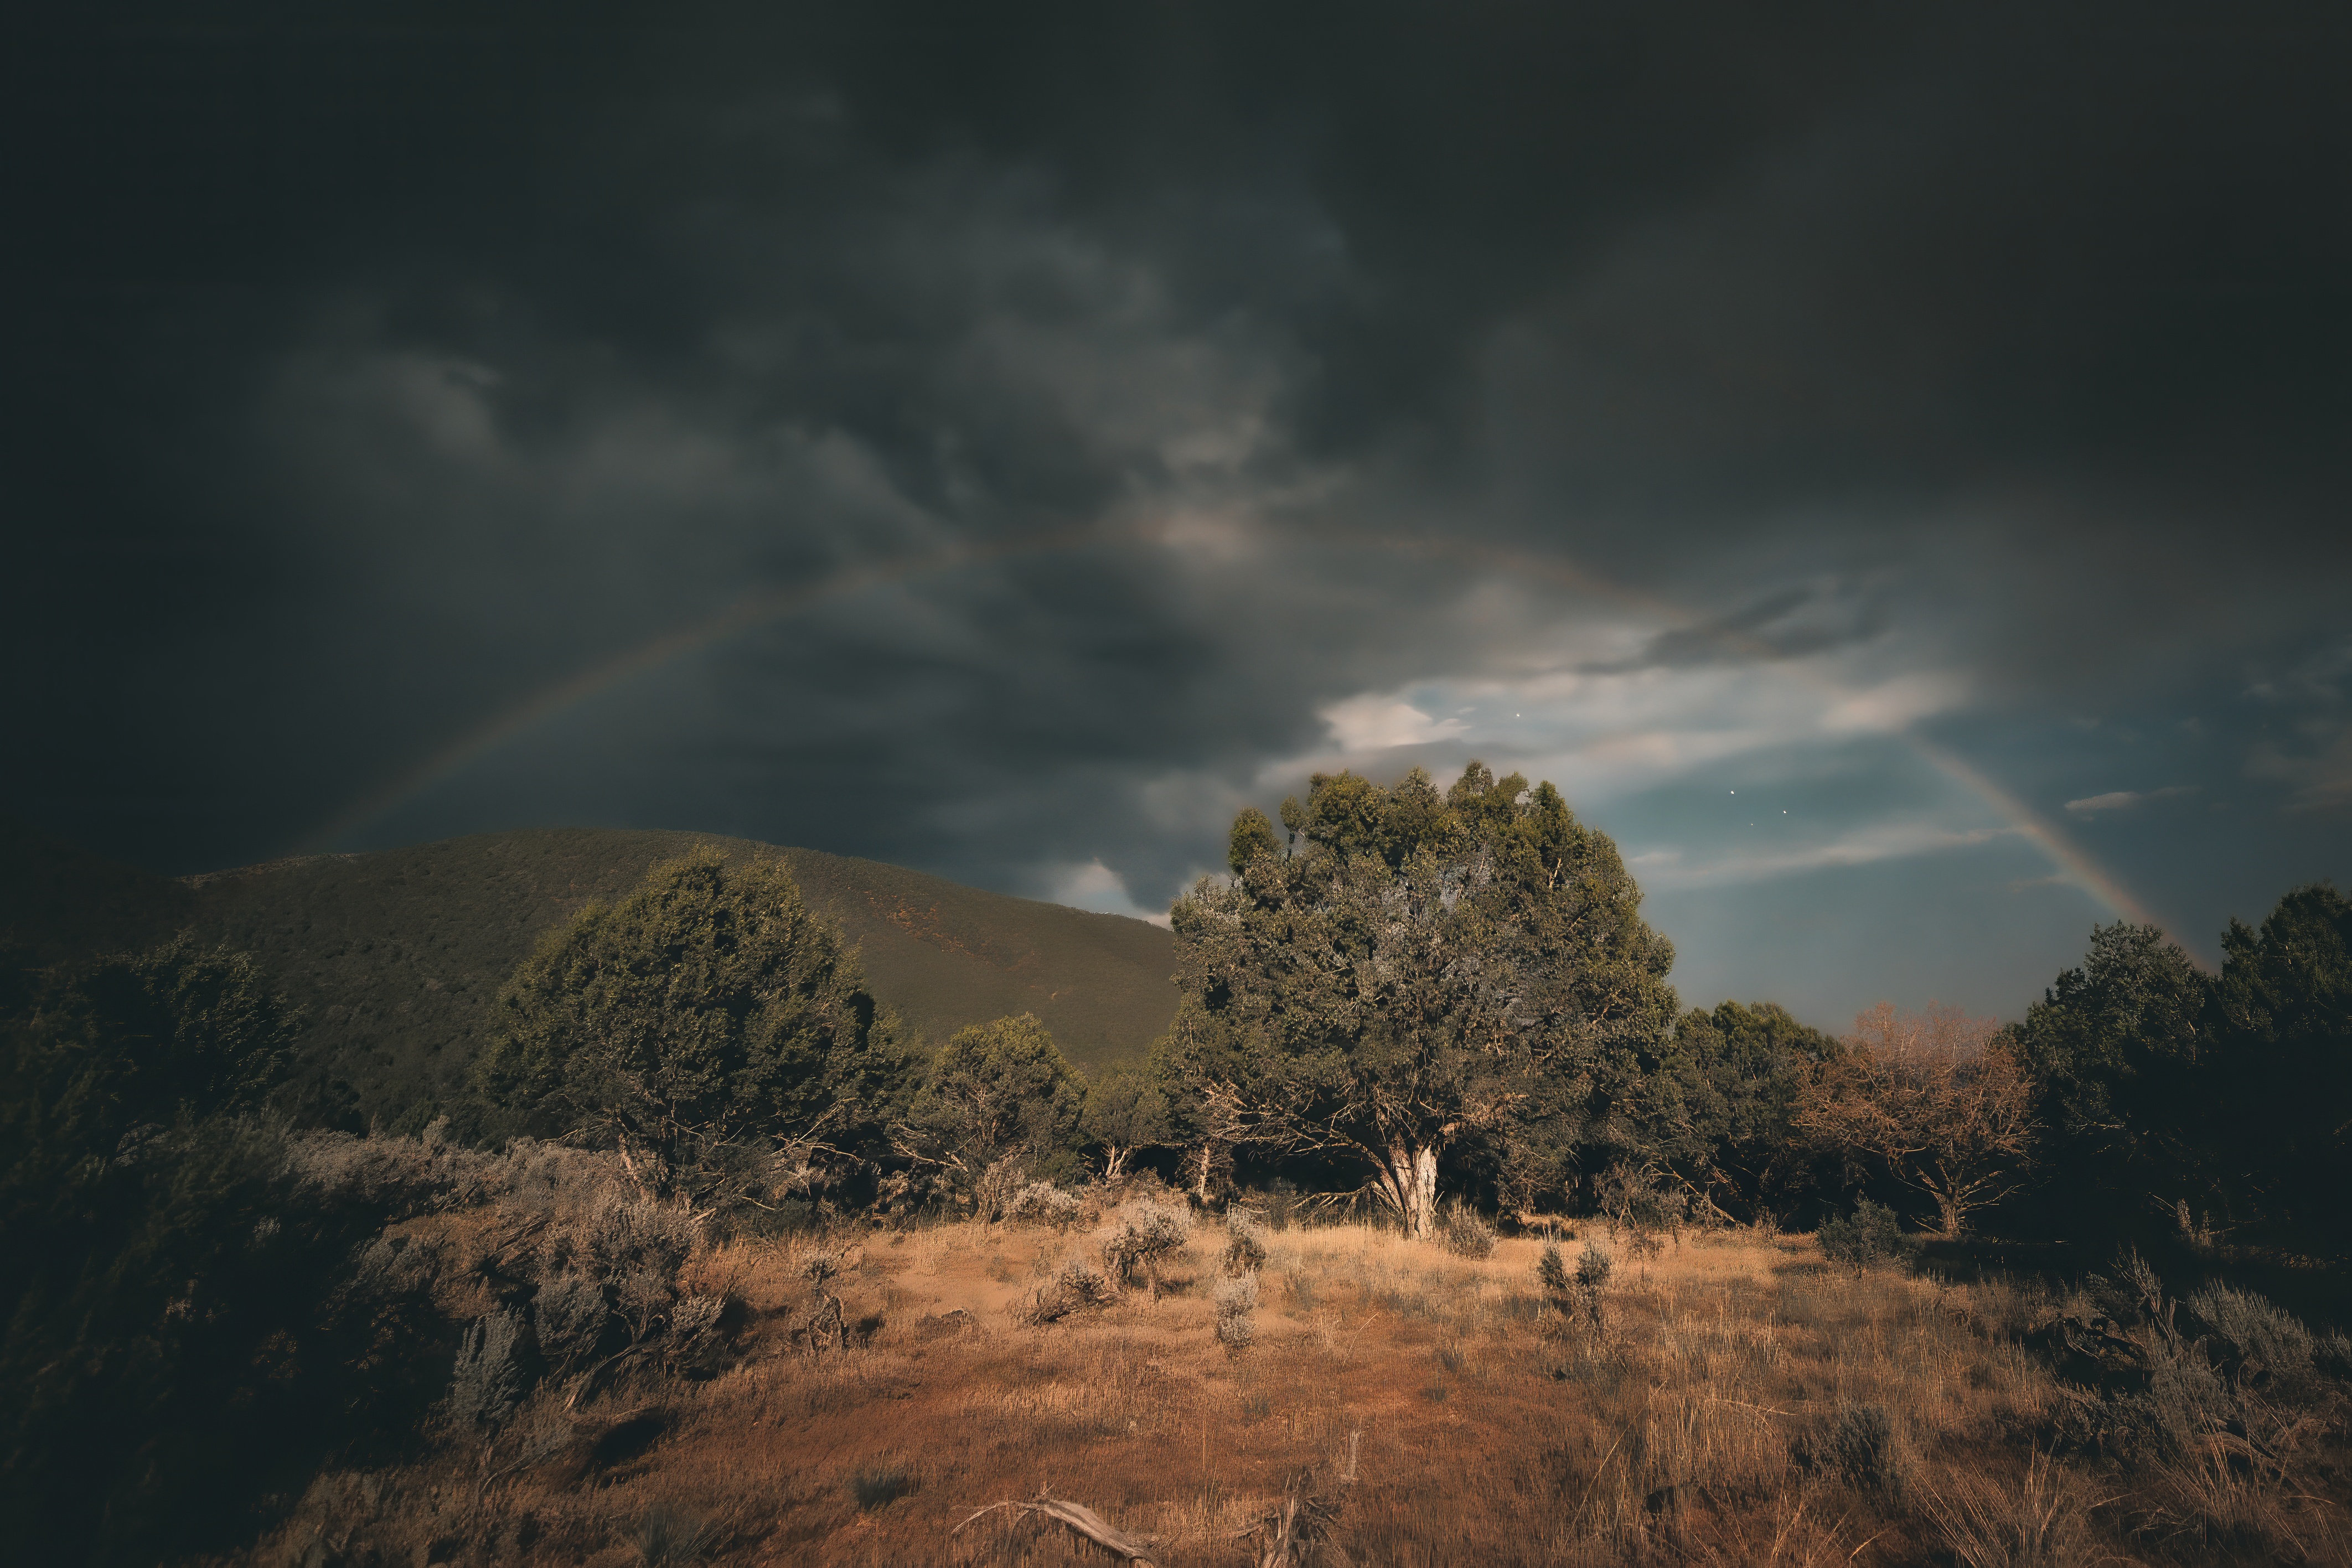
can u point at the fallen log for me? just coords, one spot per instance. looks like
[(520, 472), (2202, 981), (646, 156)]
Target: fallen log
[(1084, 1521)]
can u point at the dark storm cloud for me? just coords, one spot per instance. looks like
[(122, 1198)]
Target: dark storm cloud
[(372, 376), (1787, 623)]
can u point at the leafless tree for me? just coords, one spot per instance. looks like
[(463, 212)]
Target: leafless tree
[(1938, 1098)]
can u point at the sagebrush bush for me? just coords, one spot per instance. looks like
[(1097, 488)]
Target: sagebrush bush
[(1234, 1300), (1462, 1233), (1141, 1235), (1872, 1235), (1043, 1203), (402, 1177), (488, 1376), (1076, 1286), (570, 1313), (2266, 1348), (1243, 1251)]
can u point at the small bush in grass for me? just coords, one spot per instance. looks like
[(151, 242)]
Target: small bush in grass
[(667, 1536), (1577, 1296), (1857, 1444), (1141, 1235), (489, 1377), (1234, 1301), (1594, 1267), (1552, 1270), (879, 1487), (1872, 1235), (1244, 1253), (1077, 1286), (1464, 1234)]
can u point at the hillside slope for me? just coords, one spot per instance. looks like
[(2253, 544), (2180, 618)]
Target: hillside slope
[(395, 956), (57, 900)]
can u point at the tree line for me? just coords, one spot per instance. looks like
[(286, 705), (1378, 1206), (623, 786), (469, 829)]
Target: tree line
[(1401, 996)]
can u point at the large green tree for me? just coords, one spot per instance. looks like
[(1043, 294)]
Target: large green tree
[(708, 1015), (2222, 1097), (1421, 972)]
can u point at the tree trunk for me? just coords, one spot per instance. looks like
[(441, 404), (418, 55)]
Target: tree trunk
[(1114, 1156), (1207, 1168), (1952, 1213), (1409, 1182)]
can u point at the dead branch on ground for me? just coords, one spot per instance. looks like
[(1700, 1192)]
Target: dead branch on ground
[(1084, 1521)]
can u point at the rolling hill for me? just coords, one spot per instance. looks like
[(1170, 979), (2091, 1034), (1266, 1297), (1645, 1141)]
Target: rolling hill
[(395, 956)]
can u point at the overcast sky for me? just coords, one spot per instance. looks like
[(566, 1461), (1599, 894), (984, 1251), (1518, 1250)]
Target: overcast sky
[(1889, 467)]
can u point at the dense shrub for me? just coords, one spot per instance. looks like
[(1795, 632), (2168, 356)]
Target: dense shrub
[(1234, 1300), (177, 1342), (1043, 1203), (1076, 1286), (1141, 1236), (1872, 1235), (1464, 1234), (1552, 1270), (1243, 1251), (2193, 1387)]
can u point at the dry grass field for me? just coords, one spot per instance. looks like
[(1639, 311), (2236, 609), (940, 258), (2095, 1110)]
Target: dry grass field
[(1740, 1400)]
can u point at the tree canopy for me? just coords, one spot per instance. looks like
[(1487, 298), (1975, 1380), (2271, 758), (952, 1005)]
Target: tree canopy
[(1714, 1103), (2113, 1048), (2278, 1083), (998, 1091), (1126, 1111), (1425, 971), (710, 1011)]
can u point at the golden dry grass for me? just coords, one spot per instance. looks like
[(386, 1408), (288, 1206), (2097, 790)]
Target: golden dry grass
[(1723, 1413)]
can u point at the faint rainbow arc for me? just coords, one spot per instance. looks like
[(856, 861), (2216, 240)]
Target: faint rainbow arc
[(764, 608), (742, 616)]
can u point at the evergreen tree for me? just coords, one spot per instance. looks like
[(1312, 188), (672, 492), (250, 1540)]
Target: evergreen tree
[(1424, 974), (1127, 1111), (997, 1090), (708, 1015), (1712, 1104), (2113, 1048), (2277, 1087), (160, 1289)]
